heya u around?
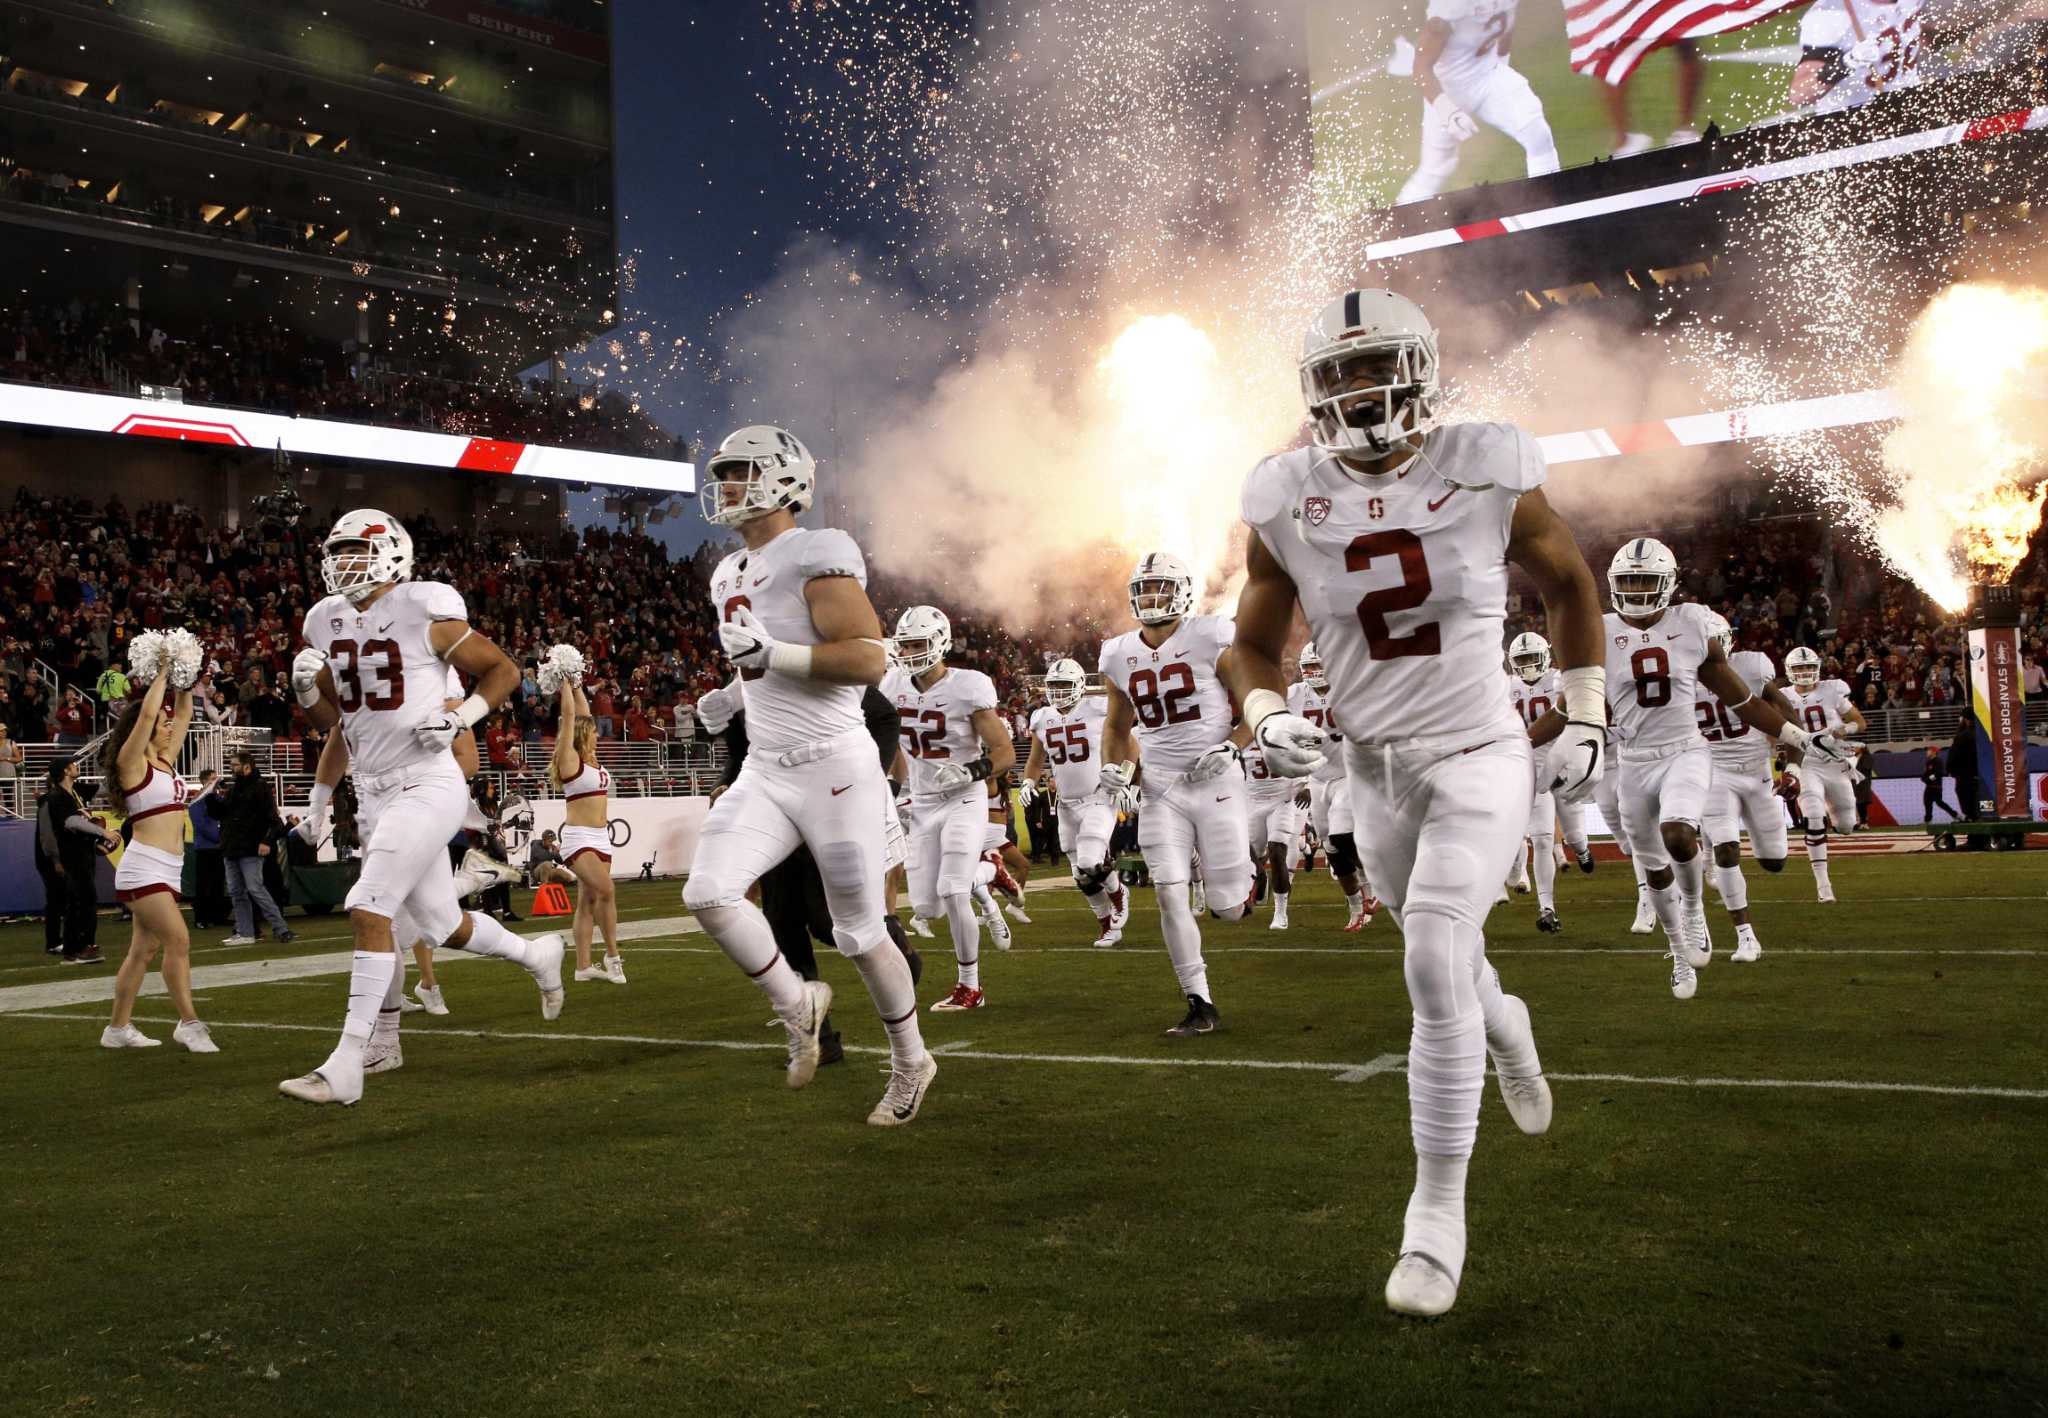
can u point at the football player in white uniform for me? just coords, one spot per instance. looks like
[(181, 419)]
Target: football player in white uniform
[(795, 620), (1606, 798), (956, 743), (1066, 735), (1850, 51), (1827, 787), (1166, 683), (1329, 794), (1270, 816), (1461, 66), (1395, 534), (1658, 655), (378, 651), (1537, 693), (1742, 794)]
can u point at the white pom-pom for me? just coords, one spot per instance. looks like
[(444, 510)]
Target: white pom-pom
[(146, 657), (568, 662), (548, 677), (186, 657)]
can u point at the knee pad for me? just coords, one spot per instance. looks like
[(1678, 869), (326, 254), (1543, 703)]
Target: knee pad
[(1343, 853), (844, 866), (1092, 879), (855, 943), (1174, 903), (1771, 863), (1439, 975), (1448, 881), (704, 891)]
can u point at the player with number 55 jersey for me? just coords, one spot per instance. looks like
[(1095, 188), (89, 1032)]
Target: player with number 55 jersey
[(1066, 737), (1394, 534)]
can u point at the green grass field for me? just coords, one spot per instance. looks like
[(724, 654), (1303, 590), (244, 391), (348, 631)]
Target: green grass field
[(1366, 139), (1761, 1201)]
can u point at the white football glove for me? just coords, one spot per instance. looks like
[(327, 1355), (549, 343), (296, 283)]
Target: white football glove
[(715, 711), (1212, 764), (308, 830), (745, 640), (146, 657), (1459, 124), (1028, 794), (949, 777), (1116, 776), (1578, 759), (1825, 747), (438, 730), (1125, 799), (1292, 745), (185, 657), (306, 667), (1867, 52)]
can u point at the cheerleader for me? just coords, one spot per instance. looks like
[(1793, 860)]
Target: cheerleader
[(586, 830), (141, 781)]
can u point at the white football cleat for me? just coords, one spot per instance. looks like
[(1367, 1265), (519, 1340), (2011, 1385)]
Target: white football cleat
[(544, 963), (239, 940), (998, 929), (1527, 1097), (1684, 984), (1747, 947), (1016, 913), (615, 969), (920, 927), (1279, 921), (1693, 941), (126, 1037), (430, 999), (1825, 895), (1419, 1286), (494, 872), (1108, 939), (192, 1033), (384, 1056), (1646, 914), (339, 1080), (905, 1094), (804, 1031)]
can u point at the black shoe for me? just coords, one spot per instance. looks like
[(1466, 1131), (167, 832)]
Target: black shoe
[(84, 957), (1547, 922), (511, 916), (830, 1051), (284, 937), (1202, 1019), (1586, 859)]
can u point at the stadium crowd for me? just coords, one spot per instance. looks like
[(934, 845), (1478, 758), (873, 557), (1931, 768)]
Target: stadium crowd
[(78, 580), (259, 365)]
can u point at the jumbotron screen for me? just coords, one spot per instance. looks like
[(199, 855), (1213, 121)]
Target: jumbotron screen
[(1413, 98)]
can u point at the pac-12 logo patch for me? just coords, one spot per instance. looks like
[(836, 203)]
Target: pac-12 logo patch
[(335, 625), (1316, 509)]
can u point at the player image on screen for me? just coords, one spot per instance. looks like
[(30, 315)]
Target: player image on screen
[(1462, 69)]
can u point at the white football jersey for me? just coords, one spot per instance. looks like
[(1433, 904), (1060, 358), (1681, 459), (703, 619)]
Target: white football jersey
[(1314, 705), (786, 711), (1262, 784), (1838, 24), (1735, 744), (1181, 707), (1821, 708), (1072, 744), (1653, 678), (1533, 701), (938, 723), (1403, 579), (1481, 33), (386, 675)]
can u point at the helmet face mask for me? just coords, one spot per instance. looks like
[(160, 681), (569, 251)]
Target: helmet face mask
[(365, 552), (1529, 657), (1369, 375), (757, 470), (1310, 663), (1161, 589), (1642, 577), (1065, 685), (1802, 668)]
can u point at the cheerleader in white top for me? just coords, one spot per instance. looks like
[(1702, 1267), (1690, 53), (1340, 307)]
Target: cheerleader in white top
[(138, 764), (586, 828)]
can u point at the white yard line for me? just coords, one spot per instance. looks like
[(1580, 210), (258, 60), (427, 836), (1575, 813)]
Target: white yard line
[(1338, 1072)]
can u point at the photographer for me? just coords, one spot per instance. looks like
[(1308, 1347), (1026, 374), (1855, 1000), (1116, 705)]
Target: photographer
[(69, 844), (249, 824)]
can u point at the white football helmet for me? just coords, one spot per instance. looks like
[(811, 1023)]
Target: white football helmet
[(1162, 589), (923, 636), (1802, 667), (1310, 662), (1642, 577), (366, 549), (1369, 374), (1065, 683), (1719, 630), (1529, 656), (757, 470)]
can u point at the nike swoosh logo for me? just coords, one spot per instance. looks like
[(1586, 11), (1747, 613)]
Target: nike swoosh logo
[(1442, 500), (760, 580), (1675, 637), (385, 629), (837, 791), (1224, 799)]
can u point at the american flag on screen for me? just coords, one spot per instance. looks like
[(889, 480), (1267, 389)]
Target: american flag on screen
[(1610, 37)]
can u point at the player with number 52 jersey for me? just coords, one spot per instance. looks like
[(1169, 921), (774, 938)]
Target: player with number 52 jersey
[(1393, 534)]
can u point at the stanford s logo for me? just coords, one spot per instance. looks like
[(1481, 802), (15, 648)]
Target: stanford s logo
[(1316, 509), (1375, 508)]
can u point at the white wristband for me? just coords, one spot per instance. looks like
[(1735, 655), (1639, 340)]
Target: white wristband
[(794, 660), (1585, 695), (473, 709), (322, 795), (1260, 705)]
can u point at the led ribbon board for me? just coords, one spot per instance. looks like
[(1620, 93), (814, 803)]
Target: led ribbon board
[(332, 438)]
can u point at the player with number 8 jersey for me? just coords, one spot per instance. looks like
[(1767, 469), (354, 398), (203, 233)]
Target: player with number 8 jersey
[(1166, 687), (1393, 534)]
